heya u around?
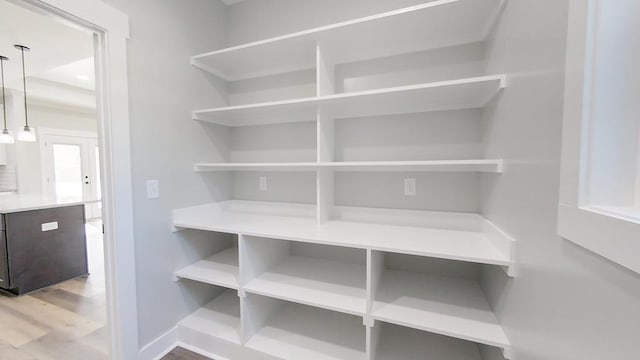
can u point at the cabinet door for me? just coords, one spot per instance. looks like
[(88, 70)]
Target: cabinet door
[(4, 261), (39, 255)]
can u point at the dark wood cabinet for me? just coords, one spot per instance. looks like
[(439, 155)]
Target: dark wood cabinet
[(39, 248)]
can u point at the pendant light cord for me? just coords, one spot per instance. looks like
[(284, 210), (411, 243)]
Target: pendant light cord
[(24, 86), (4, 100)]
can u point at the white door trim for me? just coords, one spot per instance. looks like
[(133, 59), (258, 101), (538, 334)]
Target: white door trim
[(111, 31)]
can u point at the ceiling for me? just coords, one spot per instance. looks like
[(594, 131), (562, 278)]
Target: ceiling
[(80, 74), (60, 55)]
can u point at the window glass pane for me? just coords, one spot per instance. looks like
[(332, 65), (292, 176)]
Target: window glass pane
[(67, 162)]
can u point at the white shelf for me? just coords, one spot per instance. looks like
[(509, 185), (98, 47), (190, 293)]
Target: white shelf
[(323, 283), (490, 165), (447, 306), (284, 166), (401, 343), (299, 224), (426, 26), (301, 332), (220, 318), (220, 269), (483, 165), (436, 96)]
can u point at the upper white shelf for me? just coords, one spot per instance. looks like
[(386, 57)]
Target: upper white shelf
[(426, 26), (480, 165), (465, 93), (484, 245)]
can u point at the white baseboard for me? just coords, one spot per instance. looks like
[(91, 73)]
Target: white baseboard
[(159, 347)]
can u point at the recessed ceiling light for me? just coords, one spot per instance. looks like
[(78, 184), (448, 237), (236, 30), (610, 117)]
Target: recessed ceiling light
[(83, 77)]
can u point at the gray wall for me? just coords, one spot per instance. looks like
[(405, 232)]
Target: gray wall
[(163, 89), (566, 303)]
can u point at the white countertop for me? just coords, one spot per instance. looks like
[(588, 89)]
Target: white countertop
[(10, 203)]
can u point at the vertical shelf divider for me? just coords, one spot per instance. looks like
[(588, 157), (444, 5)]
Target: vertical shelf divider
[(375, 267), (255, 312), (325, 85), (373, 337)]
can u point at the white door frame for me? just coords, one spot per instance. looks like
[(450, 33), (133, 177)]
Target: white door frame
[(111, 31)]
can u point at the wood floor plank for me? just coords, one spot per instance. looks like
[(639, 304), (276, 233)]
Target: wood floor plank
[(179, 353), (17, 331), (92, 307), (98, 340), (50, 316), (55, 346), (83, 287), (9, 352)]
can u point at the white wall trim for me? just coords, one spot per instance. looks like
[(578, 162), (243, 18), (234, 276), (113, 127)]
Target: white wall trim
[(614, 237), (161, 346), (111, 31)]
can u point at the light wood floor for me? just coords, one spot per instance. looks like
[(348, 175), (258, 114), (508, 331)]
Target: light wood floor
[(66, 321), (182, 354)]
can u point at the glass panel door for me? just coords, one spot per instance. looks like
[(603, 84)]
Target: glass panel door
[(67, 177), (73, 171)]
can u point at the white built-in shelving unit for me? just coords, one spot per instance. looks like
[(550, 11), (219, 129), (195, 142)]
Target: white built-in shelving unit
[(326, 281)]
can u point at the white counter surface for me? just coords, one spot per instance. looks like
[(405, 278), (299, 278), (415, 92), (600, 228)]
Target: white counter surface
[(10, 203)]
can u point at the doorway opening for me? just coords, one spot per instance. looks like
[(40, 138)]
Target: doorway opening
[(69, 82)]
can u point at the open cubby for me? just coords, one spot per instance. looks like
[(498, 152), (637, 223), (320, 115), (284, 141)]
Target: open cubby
[(442, 135), (218, 319), (219, 268), (426, 66), (289, 330), (393, 342), (298, 187), (324, 276), (433, 295), (435, 191), (294, 84)]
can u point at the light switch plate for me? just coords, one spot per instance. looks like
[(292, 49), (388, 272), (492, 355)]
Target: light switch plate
[(263, 183), (153, 189), (410, 187)]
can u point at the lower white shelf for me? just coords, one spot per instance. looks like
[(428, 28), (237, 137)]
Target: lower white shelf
[(301, 332), (220, 318), (401, 343), (442, 305), (323, 283), (480, 242), (220, 269)]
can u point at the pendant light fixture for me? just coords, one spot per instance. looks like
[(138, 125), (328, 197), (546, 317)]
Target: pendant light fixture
[(5, 136), (27, 134)]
